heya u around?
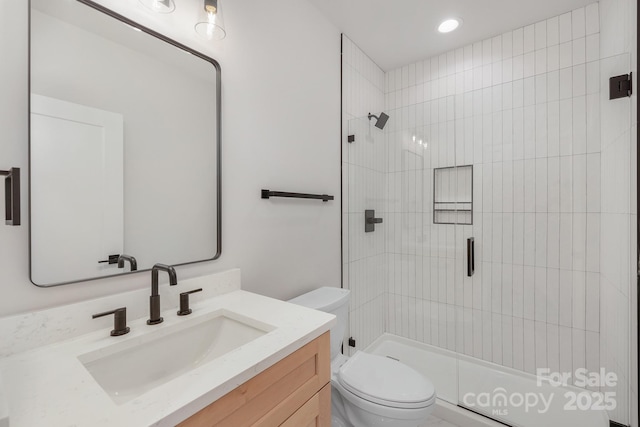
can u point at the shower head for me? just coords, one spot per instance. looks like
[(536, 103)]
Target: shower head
[(380, 121)]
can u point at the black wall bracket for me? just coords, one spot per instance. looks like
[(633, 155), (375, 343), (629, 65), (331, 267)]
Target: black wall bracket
[(12, 195), (351, 138), (352, 342), (620, 86)]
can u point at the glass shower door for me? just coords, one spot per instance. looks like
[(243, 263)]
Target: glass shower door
[(365, 258)]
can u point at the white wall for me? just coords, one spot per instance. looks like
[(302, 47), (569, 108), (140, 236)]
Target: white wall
[(281, 114)]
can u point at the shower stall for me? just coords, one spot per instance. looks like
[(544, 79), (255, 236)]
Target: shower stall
[(505, 182)]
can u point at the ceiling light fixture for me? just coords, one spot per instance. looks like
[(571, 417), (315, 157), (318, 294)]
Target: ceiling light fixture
[(211, 24), (449, 25)]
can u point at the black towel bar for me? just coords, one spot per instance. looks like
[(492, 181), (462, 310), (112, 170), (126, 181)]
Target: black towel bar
[(267, 194)]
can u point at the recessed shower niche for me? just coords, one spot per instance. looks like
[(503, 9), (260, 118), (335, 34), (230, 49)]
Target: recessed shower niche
[(453, 195)]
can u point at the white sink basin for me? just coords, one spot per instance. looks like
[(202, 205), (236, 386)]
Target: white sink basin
[(130, 368)]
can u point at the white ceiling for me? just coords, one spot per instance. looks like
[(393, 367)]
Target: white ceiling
[(398, 32)]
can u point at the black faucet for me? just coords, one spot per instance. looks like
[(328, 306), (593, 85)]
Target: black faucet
[(122, 258), (154, 299)]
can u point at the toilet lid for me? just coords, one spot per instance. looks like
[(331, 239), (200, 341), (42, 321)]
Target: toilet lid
[(385, 381)]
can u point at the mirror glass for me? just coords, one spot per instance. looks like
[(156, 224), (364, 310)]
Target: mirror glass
[(124, 146)]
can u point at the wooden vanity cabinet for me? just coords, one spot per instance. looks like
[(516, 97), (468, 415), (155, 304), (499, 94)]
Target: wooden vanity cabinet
[(294, 392)]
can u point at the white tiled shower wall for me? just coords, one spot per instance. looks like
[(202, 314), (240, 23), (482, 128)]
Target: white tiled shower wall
[(363, 185), (553, 282), (619, 217), (524, 108), (521, 108)]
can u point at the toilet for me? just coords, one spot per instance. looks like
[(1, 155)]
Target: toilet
[(369, 390)]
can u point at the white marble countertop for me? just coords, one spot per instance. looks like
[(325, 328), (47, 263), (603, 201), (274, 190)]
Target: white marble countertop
[(50, 386)]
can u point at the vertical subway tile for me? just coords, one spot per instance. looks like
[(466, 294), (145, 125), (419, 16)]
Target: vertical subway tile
[(541, 344), (553, 58), (565, 301), (566, 83), (518, 239), (553, 128), (579, 125), (579, 300), (592, 48), (592, 19), (529, 39), (486, 52), (540, 298), (593, 182), (565, 55), (529, 346), (553, 240), (579, 51), (507, 45), (592, 242), (553, 296), (579, 349), (592, 302), (529, 67), (579, 241), (566, 127), (518, 41), (553, 31), (566, 349), (566, 241), (593, 123), (578, 23), (496, 49), (564, 27), (579, 183), (540, 35), (553, 348), (518, 343)]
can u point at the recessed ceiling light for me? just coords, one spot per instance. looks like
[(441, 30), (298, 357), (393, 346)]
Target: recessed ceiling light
[(449, 25)]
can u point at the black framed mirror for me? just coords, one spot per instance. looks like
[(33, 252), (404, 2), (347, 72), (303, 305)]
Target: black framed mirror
[(124, 147)]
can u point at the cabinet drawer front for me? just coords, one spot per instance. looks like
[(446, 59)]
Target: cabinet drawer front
[(315, 413), (270, 397)]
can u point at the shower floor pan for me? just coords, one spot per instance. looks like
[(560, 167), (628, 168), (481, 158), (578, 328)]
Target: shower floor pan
[(490, 390)]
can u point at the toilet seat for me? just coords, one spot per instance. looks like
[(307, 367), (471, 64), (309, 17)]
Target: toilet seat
[(385, 382)]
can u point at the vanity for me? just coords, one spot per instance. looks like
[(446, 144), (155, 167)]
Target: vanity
[(240, 359)]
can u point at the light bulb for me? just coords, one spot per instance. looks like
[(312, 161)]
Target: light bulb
[(449, 25), (211, 27)]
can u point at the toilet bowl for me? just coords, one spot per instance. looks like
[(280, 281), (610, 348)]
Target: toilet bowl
[(369, 390)]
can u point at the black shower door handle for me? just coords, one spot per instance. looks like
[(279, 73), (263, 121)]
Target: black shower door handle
[(471, 256)]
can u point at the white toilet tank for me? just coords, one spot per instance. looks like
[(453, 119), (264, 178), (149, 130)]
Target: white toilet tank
[(329, 300)]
